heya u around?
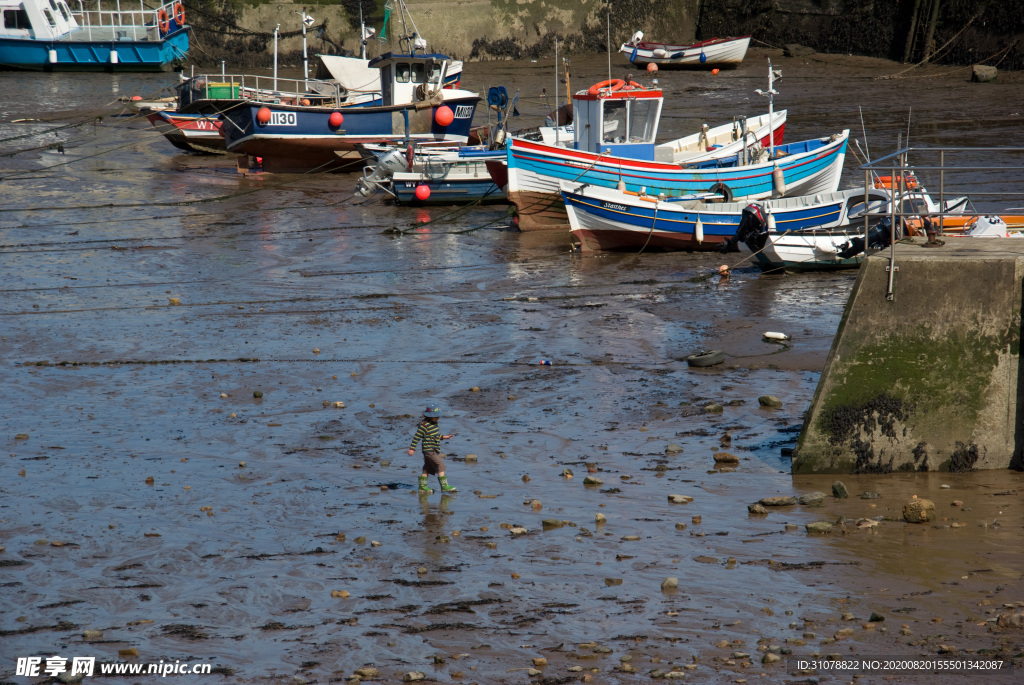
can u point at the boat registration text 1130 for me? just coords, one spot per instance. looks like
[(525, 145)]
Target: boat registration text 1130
[(283, 119)]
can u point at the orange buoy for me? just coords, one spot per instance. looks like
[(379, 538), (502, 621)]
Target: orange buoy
[(422, 192), (263, 115), (136, 98), (714, 72), (652, 67), (336, 119), (444, 117)]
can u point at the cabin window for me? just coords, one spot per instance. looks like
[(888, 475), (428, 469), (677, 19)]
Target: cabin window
[(402, 73), (642, 115), (914, 205), (417, 72), (64, 11), (435, 72), (614, 121), (49, 17), (16, 19), (53, 4)]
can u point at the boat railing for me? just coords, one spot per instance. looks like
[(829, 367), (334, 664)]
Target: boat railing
[(981, 175), (265, 89), (122, 24)]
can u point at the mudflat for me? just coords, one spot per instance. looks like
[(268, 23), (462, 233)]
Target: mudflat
[(210, 383)]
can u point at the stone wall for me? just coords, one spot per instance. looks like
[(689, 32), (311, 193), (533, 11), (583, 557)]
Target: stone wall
[(967, 31)]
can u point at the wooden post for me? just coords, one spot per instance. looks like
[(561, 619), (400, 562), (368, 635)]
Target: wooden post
[(910, 34), (931, 31)]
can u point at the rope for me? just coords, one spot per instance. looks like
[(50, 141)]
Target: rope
[(934, 54), (651, 232)]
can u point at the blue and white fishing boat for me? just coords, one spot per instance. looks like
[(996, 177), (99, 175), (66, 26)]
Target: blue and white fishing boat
[(610, 219), (432, 176), (416, 107), (615, 125), (47, 35)]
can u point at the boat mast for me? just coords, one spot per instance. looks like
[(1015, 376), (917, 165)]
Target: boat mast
[(771, 93)]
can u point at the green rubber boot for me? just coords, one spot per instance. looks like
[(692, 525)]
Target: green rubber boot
[(443, 481), (423, 489)]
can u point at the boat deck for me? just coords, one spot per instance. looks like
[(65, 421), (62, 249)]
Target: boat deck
[(107, 34)]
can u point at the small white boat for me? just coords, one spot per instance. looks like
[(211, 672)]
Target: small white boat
[(774, 247), (707, 54)]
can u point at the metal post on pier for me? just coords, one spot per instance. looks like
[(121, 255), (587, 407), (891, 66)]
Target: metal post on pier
[(942, 189), (895, 187)]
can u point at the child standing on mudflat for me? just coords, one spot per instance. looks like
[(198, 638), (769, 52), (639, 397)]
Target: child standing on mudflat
[(428, 434)]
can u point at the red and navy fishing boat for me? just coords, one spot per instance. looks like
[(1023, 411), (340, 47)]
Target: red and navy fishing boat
[(417, 108)]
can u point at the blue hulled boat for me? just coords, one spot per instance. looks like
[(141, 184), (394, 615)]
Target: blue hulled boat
[(416, 108), (46, 35)]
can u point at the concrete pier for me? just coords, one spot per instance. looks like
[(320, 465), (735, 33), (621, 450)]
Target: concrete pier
[(928, 381)]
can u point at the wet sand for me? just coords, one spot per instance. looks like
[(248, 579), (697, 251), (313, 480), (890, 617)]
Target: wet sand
[(149, 494)]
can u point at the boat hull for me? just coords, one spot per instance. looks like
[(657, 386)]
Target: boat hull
[(300, 139), (192, 132), (604, 219), (721, 53), (535, 171), (95, 55)]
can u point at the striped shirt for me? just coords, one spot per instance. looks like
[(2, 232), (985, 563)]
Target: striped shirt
[(430, 434)]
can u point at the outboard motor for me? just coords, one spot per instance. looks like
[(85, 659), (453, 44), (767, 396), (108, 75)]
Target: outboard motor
[(752, 230), (879, 237), (375, 176)]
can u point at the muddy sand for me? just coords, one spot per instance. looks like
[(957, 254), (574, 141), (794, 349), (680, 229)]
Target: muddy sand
[(179, 477)]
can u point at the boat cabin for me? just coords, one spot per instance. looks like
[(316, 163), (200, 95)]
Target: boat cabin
[(618, 118), (409, 78), (38, 19)]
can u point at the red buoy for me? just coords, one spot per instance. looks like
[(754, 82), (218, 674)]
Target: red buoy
[(714, 72), (652, 67), (263, 115), (444, 116), (136, 98), (422, 192), (336, 119)]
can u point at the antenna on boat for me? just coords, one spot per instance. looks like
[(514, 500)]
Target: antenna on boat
[(609, 42), (867, 148), (362, 33), (556, 91), (771, 93)]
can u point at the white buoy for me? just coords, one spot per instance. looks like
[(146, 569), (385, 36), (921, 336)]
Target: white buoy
[(771, 221), (775, 336), (621, 186), (53, 56), (778, 181), (698, 230), (113, 56)]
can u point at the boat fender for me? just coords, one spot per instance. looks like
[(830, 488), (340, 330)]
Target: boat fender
[(163, 20), (825, 246), (179, 14), (113, 56), (698, 230), (703, 58), (659, 52), (774, 336), (612, 85), (723, 190), (637, 37), (410, 155), (778, 181), (52, 56)]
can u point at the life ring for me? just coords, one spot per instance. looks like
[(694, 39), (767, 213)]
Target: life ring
[(909, 182), (179, 13), (164, 20), (611, 85), (723, 190)]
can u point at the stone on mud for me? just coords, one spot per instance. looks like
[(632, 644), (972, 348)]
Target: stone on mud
[(812, 499), (367, 672), (778, 501), (413, 676), (796, 50), (1014, 620), (680, 499), (919, 511), (770, 401), (770, 658), (600, 518), (982, 73), (673, 448), (670, 583), (819, 527), (757, 509), (592, 480), (839, 490), (726, 458)]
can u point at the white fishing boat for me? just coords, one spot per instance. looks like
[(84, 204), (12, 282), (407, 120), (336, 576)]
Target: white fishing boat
[(713, 53)]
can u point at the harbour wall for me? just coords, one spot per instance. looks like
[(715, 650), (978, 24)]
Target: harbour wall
[(929, 381), (951, 31)]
